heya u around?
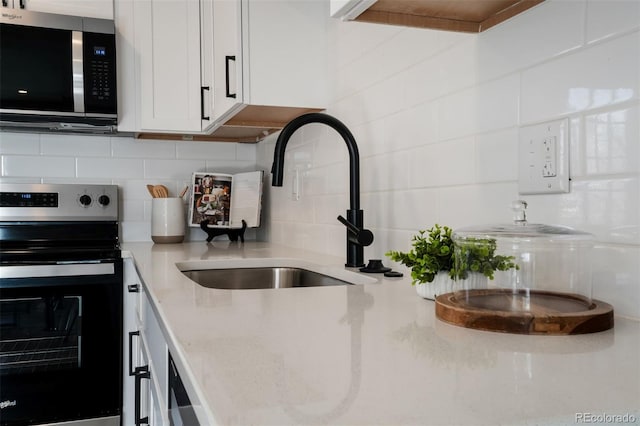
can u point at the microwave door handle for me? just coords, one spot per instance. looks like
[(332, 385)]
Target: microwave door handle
[(77, 52)]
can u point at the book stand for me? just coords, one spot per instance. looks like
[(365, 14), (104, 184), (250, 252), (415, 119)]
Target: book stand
[(233, 234)]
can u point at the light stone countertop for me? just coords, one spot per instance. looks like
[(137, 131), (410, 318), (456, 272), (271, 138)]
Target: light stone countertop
[(371, 353)]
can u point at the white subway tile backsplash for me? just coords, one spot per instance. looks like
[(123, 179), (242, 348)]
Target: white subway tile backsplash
[(545, 31), (30, 165), (351, 40), (409, 209), (75, 145), (608, 208), (327, 208), (610, 18), (456, 67), (142, 148), (328, 148), (442, 164), (412, 127), (118, 168), (602, 75), (489, 106), (497, 156), (422, 82), (135, 231), (171, 169), (384, 172), (132, 211), (615, 278), (611, 142), (215, 151), (469, 205), (246, 152), (19, 143)]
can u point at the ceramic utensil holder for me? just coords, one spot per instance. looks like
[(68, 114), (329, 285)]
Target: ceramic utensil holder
[(168, 220)]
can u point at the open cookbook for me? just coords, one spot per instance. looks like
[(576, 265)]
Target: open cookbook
[(225, 200)]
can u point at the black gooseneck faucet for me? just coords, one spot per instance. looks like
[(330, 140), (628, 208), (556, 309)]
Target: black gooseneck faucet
[(357, 236)]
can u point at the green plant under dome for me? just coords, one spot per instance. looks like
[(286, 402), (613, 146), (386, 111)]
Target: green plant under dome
[(433, 251)]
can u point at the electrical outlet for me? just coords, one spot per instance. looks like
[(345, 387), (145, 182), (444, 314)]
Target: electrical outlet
[(543, 158)]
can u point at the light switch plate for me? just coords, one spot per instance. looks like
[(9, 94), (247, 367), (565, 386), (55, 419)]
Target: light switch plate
[(543, 158)]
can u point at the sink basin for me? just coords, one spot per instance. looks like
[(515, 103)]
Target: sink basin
[(260, 278)]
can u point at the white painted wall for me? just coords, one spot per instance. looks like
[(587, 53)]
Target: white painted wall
[(436, 117)]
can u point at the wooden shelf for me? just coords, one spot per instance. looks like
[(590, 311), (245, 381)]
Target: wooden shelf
[(471, 16)]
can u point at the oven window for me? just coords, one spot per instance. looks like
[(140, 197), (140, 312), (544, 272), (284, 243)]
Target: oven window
[(40, 334)]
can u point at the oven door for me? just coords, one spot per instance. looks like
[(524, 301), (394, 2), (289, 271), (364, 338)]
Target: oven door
[(60, 342)]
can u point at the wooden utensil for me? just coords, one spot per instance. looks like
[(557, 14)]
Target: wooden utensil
[(150, 189), (160, 191), (184, 191)]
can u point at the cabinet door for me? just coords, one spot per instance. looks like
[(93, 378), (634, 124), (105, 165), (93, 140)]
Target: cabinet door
[(206, 63), (228, 58), (151, 405), (90, 8), (168, 42), (131, 343)]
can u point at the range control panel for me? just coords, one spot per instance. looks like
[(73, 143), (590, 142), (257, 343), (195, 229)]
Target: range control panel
[(28, 199), (58, 202)]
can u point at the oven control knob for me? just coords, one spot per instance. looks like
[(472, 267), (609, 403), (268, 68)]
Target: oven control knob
[(85, 200), (104, 200)]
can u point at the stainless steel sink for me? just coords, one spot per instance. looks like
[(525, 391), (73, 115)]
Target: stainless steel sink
[(260, 278)]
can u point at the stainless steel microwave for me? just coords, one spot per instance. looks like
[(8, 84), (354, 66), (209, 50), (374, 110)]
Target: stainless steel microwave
[(57, 72)]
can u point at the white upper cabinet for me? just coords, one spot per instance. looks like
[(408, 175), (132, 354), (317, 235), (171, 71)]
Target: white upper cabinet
[(164, 77), (172, 87), (269, 54), (90, 8), (239, 69)]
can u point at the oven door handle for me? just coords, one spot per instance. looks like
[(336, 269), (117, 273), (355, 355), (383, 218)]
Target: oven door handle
[(56, 270)]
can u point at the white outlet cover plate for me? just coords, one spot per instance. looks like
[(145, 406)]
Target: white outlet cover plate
[(543, 158)]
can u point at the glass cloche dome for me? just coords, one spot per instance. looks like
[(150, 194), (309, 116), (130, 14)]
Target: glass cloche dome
[(524, 278)]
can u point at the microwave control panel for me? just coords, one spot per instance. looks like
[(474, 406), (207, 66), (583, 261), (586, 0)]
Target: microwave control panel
[(99, 72)]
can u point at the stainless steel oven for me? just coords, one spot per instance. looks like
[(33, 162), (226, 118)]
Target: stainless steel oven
[(60, 305)]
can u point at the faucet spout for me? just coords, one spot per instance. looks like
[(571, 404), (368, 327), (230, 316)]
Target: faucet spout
[(355, 256), (277, 168)]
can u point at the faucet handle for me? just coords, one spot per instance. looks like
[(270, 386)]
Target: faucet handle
[(362, 237)]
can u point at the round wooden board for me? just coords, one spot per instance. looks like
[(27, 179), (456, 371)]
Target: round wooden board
[(524, 312)]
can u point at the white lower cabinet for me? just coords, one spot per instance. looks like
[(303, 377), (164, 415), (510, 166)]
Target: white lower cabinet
[(145, 392)]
